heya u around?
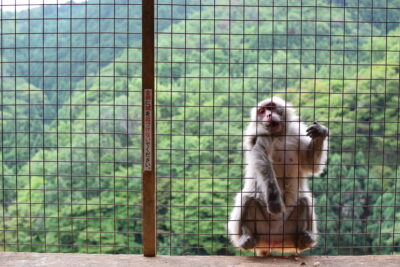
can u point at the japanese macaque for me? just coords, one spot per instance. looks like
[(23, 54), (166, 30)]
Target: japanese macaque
[(275, 209)]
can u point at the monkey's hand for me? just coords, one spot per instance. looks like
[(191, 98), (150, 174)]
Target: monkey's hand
[(275, 203), (317, 130)]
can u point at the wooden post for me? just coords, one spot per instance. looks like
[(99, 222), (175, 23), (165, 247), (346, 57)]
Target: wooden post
[(148, 131)]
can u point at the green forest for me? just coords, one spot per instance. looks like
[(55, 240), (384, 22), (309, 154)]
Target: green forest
[(70, 136)]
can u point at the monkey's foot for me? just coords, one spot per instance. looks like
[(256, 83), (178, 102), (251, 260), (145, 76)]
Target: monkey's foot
[(247, 242), (306, 240)]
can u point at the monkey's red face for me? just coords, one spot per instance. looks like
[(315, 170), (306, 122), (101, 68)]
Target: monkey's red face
[(270, 117)]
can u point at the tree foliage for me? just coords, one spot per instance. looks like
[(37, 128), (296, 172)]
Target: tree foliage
[(70, 121)]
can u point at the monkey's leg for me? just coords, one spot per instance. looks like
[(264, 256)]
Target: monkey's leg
[(248, 224), (241, 233), (307, 229)]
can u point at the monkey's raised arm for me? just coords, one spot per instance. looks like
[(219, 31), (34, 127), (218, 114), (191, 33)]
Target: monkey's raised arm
[(260, 161), (316, 152)]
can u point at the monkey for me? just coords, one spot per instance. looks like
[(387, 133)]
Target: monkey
[(274, 212)]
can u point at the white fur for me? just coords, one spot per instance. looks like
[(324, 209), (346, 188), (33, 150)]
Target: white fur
[(291, 166)]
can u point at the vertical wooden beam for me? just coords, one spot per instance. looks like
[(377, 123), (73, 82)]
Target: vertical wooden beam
[(148, 131)]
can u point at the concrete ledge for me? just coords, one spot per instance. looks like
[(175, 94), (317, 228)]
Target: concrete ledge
[(16, 259)]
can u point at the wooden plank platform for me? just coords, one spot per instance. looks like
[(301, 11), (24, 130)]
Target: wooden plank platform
[(16, 259)]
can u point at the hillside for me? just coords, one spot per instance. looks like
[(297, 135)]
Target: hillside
[(71, 132)]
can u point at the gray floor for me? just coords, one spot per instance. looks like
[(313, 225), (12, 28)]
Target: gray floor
[(57, 259)]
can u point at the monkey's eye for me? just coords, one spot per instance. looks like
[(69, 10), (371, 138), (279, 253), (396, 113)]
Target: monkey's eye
[(261, 110)]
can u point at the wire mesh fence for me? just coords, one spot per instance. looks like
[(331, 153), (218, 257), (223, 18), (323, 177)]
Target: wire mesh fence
[(71, 123), (336, 62), (70, 126)]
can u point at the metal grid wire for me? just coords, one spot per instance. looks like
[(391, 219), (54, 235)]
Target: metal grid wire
[(70, 160), (70, 126), (335, 61)]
